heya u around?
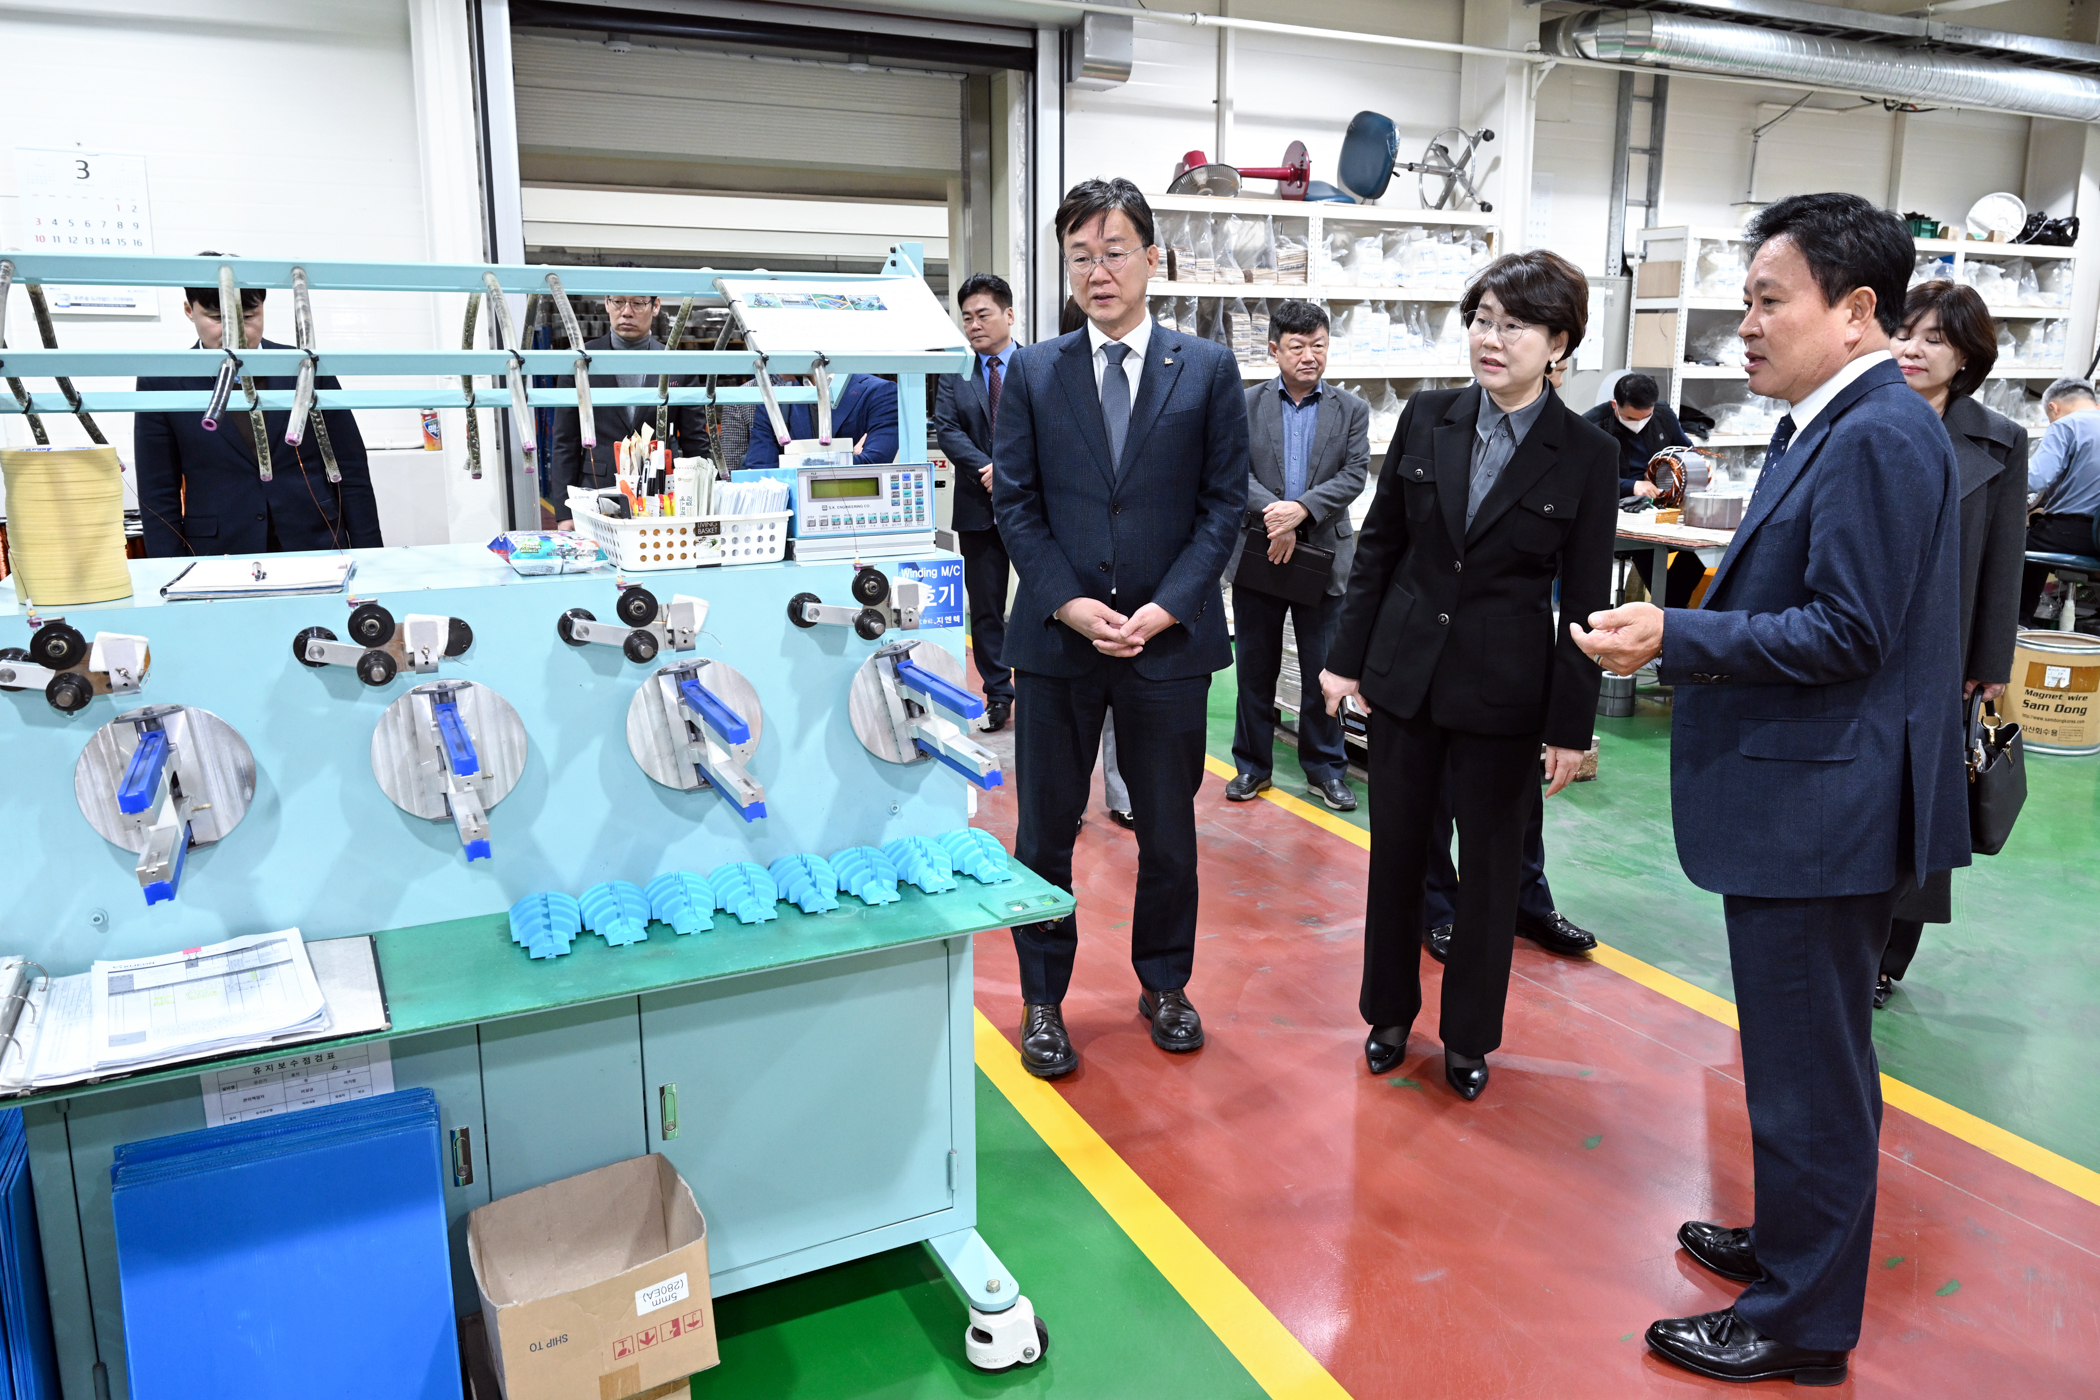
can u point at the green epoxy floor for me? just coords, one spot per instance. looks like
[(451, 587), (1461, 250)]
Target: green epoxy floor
[(1999, 1011), (890, 1327)]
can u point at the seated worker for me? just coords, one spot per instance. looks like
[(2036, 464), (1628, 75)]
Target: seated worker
[(2064, 480), (631, 319), (1642, 426), (201, 492), (866, 416)]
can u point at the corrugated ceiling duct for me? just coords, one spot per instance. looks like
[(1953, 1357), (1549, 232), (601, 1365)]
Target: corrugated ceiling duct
[(1680, 43)]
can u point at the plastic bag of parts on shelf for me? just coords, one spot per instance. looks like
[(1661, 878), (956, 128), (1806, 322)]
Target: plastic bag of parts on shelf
[(1262, 267), (1386, 407), (1739, 413), (1992, 281), (1180, 250), (1717, 345), (1203, 241), (2053, 282), (2032, 342), (2010, 397), (1225, 258), (535, 552), (1932, 267), (1721, 270), (1292, 257)]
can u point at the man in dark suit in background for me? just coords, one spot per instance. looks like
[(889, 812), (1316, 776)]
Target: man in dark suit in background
[(965, 413), (1815, 707), (201, 492), (1309, 450), (567, 463), (1122, 452), (866, 417)]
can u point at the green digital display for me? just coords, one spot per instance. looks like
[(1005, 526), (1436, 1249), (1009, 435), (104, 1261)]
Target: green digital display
[(840, 488)]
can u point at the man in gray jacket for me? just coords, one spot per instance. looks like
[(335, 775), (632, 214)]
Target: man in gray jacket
[(1309, 449)]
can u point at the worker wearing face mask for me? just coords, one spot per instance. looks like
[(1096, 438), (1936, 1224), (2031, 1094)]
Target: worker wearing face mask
[(1642, 426)]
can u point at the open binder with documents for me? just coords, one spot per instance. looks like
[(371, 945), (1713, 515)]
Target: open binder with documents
[(262, 992)]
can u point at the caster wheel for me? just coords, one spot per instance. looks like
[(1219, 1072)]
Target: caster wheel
[(1042, 1339), (371, 625), (565, 626), (311, 634), (8, 654), (57, 646), (640, 647), (69, 693), (795, 609), (458, 636), (870, 586), (376, 668), (637, 607), (870, 624)]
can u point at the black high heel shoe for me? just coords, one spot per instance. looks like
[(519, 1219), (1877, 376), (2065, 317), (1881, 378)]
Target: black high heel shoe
[(1467, 1079), (1381, 1057)]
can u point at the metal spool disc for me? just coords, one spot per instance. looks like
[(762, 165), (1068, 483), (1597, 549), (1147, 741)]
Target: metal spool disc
[(217, 758), (869, 711), (401, 752), (660, 753)]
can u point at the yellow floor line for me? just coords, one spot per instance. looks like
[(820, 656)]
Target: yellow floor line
[(1279, 1363), (2058, 1170)]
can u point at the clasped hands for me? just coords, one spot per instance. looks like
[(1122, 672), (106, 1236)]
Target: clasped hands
[(1111, 632), (1282, 519)]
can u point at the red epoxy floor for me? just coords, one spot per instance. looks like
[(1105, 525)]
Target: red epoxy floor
[(1424, 1247)]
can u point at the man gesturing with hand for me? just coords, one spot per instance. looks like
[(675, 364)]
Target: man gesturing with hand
[(1122, 452)]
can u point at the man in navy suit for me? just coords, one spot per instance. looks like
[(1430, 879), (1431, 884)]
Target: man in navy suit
[(1812, 707), (866, 417), (201, 492), (965, 408), (1122, 452)]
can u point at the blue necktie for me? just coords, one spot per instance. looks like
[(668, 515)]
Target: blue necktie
[(1782, 436), (1115, 402)]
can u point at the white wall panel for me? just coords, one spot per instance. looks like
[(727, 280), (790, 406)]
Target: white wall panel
[(1573, 144), (1953, 159), (1706, 159)]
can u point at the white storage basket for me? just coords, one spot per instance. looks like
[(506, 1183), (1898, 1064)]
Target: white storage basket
[(685, 542)]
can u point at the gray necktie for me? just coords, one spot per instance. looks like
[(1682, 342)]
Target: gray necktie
[(1115, 402)]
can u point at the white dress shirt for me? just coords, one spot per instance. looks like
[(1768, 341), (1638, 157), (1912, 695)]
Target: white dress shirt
[(1133, 363), (1806, 411)]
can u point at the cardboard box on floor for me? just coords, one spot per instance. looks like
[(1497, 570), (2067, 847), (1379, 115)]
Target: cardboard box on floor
[(595, 1285)]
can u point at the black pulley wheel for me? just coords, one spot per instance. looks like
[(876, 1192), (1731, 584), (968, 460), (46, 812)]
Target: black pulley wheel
[(637, 607), (458, 636), (871, 587), (565, 626), (371, 625), (69, 693), (57, 646), (870, 624), (311, 634), (640, 647), (13, 654), (376, 667), (795, 608)]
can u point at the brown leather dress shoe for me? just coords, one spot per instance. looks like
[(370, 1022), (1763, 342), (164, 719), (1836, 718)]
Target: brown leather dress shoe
[(1046, 1050), (1175, 1024)]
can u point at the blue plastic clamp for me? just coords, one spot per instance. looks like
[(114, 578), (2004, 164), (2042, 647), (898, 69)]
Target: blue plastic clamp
[(161, 891), (459, 745), (987, 781), (711, 707), (945, 693), (142, 777)]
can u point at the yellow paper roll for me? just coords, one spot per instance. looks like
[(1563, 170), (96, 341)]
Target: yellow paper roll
[(65, 525)]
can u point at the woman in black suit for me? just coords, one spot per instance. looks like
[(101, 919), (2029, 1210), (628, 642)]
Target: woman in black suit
[(1489, 496), (1945, 348)]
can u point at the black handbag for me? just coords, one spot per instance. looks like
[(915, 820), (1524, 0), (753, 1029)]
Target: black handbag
[(1997, 778), (1302, 579)]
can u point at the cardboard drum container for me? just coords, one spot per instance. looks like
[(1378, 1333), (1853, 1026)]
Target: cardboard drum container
[(595, 1285), (2055, 683)]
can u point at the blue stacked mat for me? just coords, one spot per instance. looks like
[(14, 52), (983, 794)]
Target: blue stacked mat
[(31, 1369), (302, 1254)]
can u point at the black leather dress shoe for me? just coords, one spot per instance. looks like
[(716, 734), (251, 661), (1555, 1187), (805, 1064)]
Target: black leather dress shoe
[(1126, 820), (1724, 1249), (1246, 787), (996, 713), (1175, 1024), (1884, 988), (1046, 1051), (1336, 794), (1381, 1057), (1468, 1081), (1724, 1346), (1556, 935), (1438, 942)]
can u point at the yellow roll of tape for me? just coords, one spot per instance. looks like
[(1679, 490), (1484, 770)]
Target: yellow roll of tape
[(65, 525)]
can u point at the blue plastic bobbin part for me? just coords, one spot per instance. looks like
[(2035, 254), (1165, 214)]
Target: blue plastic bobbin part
[(745, 890), (921, 860), (683, 900), (806, 881), (617, 911), (868, 873)]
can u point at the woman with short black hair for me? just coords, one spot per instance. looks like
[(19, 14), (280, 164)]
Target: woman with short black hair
[(1490, 495), (1946, 347)]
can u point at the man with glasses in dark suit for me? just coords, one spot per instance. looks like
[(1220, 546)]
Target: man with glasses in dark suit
[(965, 415), (1122, 480), (567, 462)]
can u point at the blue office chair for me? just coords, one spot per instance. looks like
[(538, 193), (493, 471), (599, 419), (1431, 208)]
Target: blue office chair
[(2071, 570)]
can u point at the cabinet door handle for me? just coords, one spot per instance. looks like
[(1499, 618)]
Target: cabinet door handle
[(462, 1157), (667, 1110)]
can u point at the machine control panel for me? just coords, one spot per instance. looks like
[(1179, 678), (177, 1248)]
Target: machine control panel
[(841, 510)]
